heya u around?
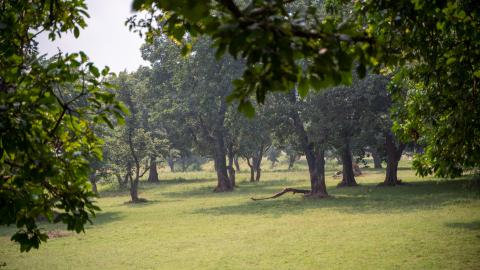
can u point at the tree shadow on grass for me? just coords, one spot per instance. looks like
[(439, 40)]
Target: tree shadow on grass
[(106, 217), (115, 191), (473, 225), (100, 218), (243, 189), (183, 181), (147, 202), (367, 199)]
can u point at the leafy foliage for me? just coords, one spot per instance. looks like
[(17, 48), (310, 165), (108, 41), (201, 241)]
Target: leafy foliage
[(283, 45), (48, 112), (436, 45)]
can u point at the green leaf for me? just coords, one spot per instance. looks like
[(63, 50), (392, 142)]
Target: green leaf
[(94, 70), (246, 108), (76, 32)]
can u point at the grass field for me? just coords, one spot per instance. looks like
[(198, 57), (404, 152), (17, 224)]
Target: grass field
[(427, 224)]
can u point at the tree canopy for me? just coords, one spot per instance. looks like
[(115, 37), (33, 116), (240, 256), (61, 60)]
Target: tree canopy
[(432, 46), (48, 112)]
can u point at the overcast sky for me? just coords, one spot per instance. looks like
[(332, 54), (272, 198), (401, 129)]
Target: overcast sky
[(106, 39)]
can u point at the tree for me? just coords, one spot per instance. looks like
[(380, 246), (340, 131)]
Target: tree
[(341, 109), (253, 139), (49, 109), (195, 96), (272, 155), (271, 36), (434, 42), (289, 117), (377, 120), (134, 148)]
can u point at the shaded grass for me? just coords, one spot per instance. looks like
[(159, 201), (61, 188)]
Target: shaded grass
[(426, 224)]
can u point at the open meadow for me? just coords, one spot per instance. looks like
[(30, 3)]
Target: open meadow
[(426, 224)]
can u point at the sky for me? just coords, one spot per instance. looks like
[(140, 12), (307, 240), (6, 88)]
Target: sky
[(106, 40)]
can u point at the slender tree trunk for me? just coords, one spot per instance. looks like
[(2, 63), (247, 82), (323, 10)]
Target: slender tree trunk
[(348, 179), (153, 173), (230, 169), (258, 164), (394, 154), (259, 171), (237, 165), (93, 181), (291, 160), (377, 161), (171, 164), (134, 189), (252, 169)]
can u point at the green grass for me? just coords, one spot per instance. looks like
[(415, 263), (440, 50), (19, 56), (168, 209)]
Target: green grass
[(427, 224)]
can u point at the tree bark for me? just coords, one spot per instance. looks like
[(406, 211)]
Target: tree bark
[(394, 153), (259, 171), (237, 165), (252, 169), (134, 189), (153, 174), (291, 160), (230, 169), (348, 179), (319, 185), (377, 160), (258, 164), (224, 184)]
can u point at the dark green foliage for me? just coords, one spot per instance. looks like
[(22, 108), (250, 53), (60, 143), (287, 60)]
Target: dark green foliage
[(272, 36), (437, 46), (48, 111), (433, 46)]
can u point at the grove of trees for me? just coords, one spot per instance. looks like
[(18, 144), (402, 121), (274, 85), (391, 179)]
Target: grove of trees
[(228, 81)]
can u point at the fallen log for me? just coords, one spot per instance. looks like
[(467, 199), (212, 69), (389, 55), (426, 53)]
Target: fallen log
[(286, 190)]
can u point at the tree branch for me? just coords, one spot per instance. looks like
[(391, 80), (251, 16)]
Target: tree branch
[(286, 190)]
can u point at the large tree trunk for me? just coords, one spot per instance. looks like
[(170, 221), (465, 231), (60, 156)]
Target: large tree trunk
[(317, 180), (224, 183), (316, 169), (348, 179), (377, 160), (394, 154), (153, 173), (237, 165)]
